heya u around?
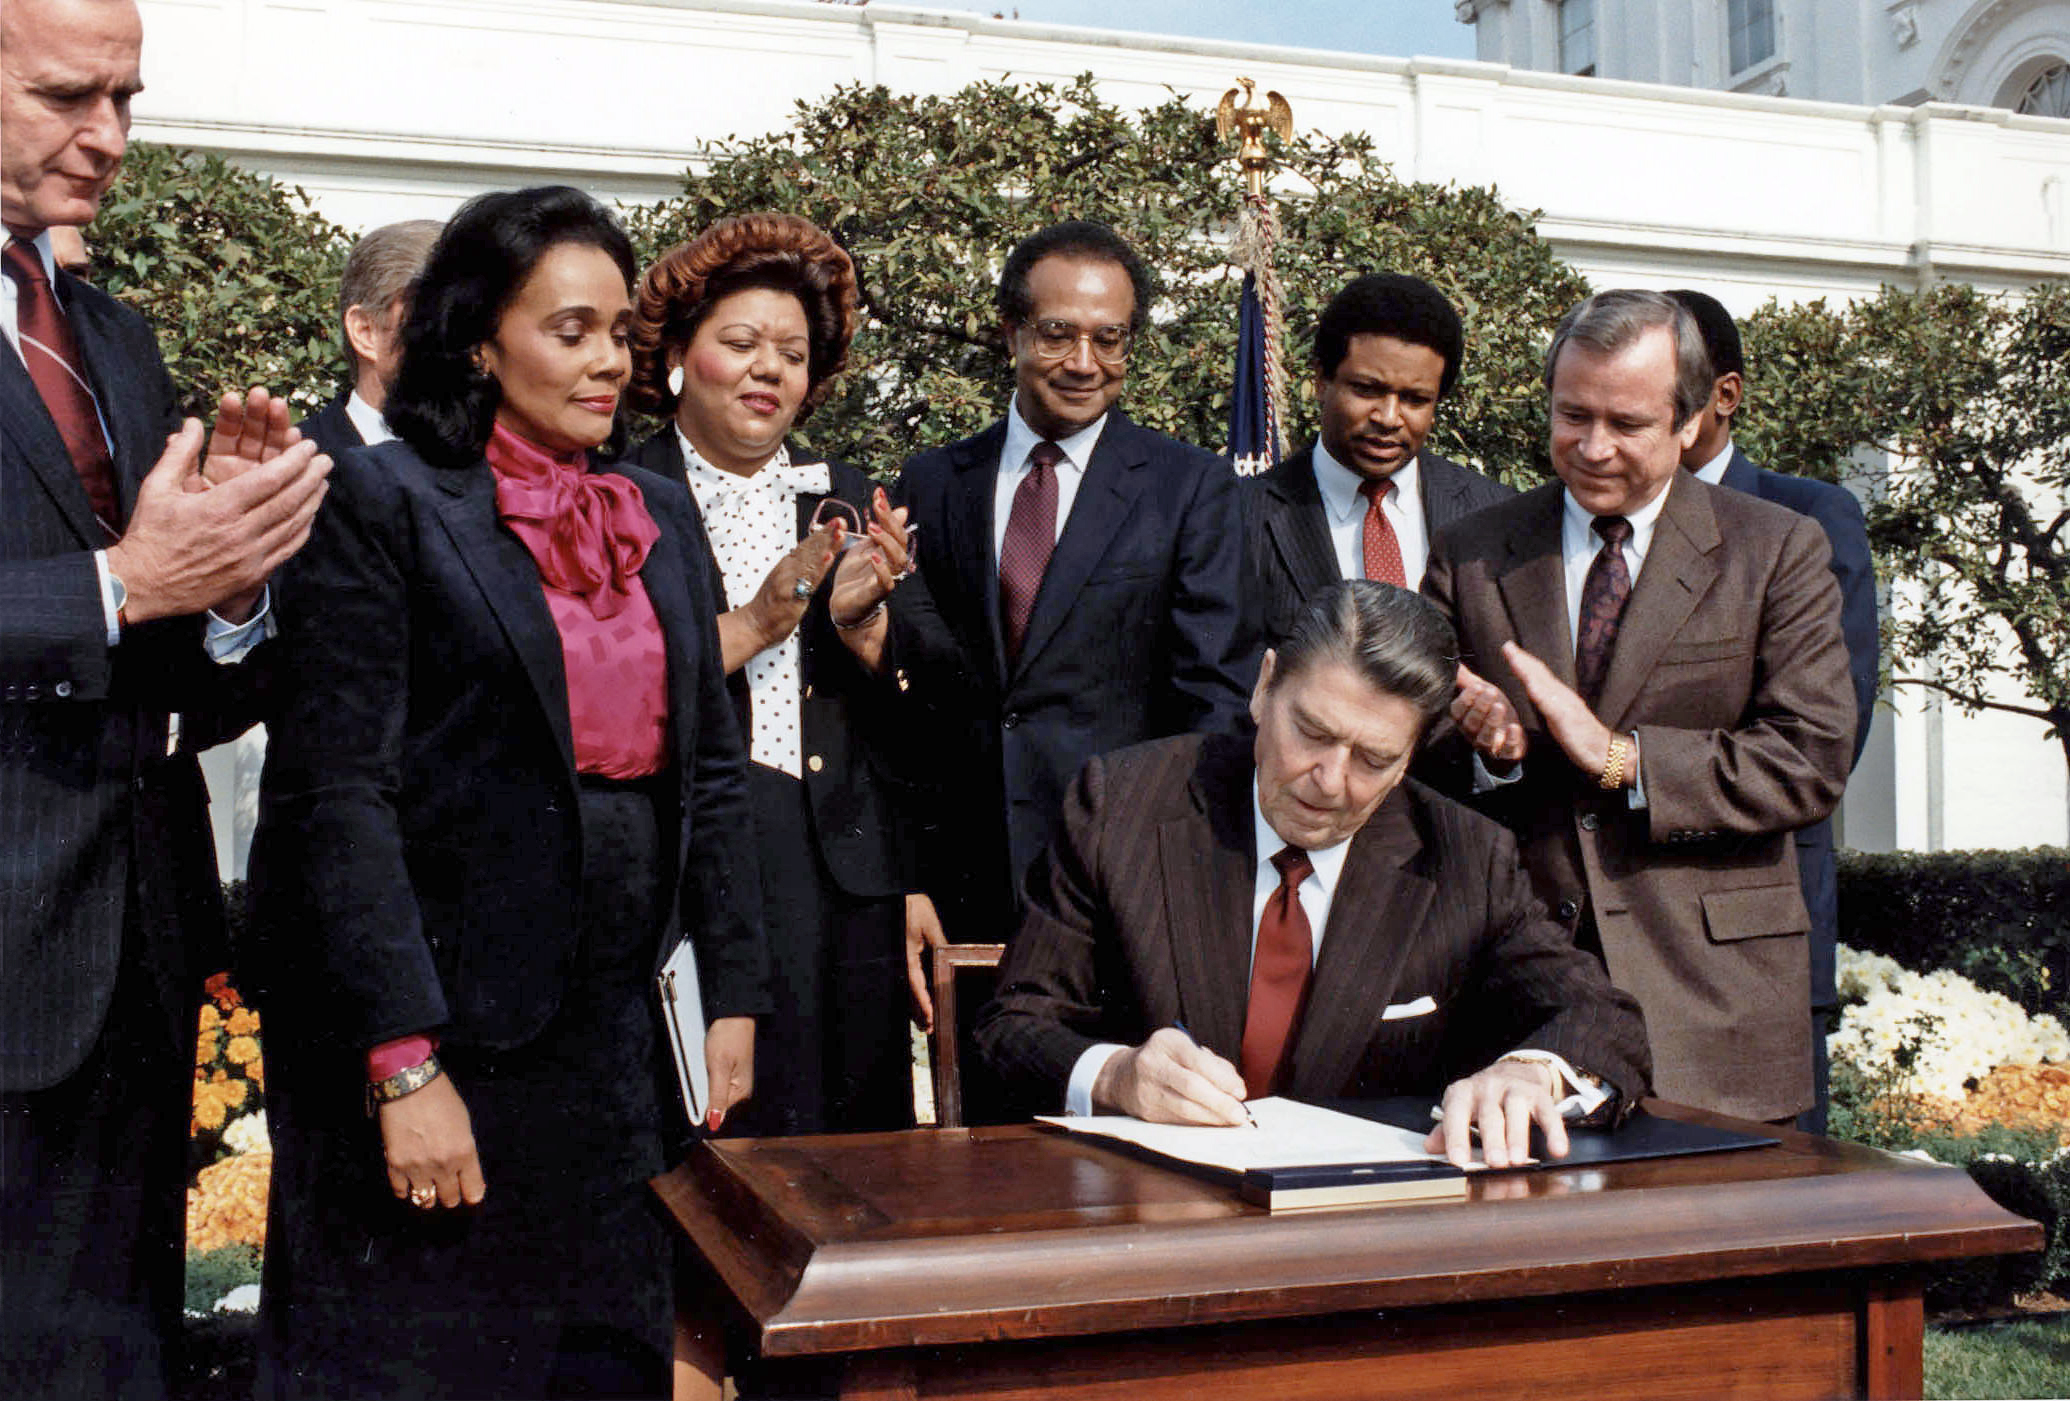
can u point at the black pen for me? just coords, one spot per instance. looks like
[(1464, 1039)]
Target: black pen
[(1180, 1027)]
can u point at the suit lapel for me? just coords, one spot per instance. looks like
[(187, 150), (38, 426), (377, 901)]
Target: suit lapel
[(509, 579), (1741, 474), (1677, 574), (1444, 492), (1105, 499), (668, 589), (1378, 909), (1533, 585), (137, 440), (35, 445), (1295, 525), (1209, 877), (968, 508)]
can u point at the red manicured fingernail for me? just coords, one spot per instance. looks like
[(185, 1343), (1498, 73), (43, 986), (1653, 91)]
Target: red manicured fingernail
[(713, 1120)]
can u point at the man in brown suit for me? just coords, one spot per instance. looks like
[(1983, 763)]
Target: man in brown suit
[(1667, 699), (1223, 919)]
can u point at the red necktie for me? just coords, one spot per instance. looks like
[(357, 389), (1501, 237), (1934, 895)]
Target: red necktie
[(52, 357), (1031, 537), (1280, 966), (1383, 550), (1603, 595)]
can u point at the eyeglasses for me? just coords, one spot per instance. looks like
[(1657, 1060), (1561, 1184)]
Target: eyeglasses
[(1056, 339)]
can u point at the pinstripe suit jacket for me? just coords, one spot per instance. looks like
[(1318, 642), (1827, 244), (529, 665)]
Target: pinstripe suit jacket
[(1140, 917), (93, 813)]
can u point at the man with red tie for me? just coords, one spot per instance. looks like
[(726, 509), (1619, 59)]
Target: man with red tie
[(1363, 500), (1666, 699), (1221, 920), (124, 587), (1080, 584)]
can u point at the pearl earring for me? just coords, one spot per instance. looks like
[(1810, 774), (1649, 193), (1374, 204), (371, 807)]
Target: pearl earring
[(675, 380)]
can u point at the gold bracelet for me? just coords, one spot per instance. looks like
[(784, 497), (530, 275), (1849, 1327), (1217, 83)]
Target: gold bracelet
[(407, 1081), (1612, 777)]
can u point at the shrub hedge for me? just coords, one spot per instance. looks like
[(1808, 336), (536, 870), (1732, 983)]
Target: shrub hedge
[(1999, 918)]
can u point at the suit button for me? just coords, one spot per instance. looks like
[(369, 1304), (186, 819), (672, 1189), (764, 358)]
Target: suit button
[(63, 690), (808, 693), (815, 763), (35, 691), (13, 692), (1569, 910), (1013, 718), (1589, 822)]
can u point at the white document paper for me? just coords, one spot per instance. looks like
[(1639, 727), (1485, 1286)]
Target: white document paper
[(682, 1012), (1289, 1134)]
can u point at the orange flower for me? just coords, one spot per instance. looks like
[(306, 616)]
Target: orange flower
[(243, 1022), (234, 1093), (205, 1048), (210, 1017), (256, 1072), (242, 1050), (208, 1108), (219, 988)]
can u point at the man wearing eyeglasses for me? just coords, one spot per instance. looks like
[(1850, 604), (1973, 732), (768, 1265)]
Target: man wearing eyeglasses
[(1080, 588)]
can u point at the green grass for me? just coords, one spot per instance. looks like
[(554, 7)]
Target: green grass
[(2018, 1359)]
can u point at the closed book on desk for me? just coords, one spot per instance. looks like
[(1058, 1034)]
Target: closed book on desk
[(1345, 1184)]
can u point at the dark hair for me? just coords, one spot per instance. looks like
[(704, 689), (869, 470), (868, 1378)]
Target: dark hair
[(1720, 335), (1075, 238), (1610, 321), (782, 252), (1398, 641), (441, 403), (1390, 304)]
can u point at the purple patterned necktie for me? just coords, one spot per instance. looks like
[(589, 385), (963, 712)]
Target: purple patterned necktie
[(52, 358), (1031, 537), (1603, 596)]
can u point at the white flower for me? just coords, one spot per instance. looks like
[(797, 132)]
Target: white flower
[(243, 1299), (247, 1134), (1957, 1032)]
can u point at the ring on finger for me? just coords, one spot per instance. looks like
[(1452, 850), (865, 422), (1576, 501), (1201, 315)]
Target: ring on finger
[(423, 1196), (801, 588)]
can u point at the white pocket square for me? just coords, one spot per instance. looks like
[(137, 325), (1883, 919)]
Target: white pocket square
[(1397, 1010)]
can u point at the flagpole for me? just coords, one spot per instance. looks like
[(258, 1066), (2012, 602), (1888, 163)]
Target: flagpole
[(1258, 403)]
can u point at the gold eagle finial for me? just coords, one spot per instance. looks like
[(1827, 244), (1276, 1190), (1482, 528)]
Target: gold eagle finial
[(1247, 121)]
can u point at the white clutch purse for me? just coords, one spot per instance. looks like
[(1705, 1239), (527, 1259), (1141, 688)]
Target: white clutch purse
[(682, 1012)]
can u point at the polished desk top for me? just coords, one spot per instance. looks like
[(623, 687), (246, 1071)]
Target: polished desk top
[(860, 1241)]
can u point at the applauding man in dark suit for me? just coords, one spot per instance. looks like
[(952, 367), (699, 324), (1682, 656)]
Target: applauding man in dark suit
[(1666, 692), (1363, 501), (1317, 926), (108, 566), (1081, 580)]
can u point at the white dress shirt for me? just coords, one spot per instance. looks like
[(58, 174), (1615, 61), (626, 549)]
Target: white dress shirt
[(1344, 510), (225, 641), (1714, 470), (373, 428), (1014, 467)]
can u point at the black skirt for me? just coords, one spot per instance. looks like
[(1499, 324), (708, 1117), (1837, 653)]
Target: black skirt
[(835, 1054), (560, 1281)]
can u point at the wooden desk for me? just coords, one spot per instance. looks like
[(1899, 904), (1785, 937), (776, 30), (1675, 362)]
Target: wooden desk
[(1011, 1263)]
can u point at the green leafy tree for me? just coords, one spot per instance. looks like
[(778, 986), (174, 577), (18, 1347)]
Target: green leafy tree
[(1970, 394), (236, 273), (929, 193)]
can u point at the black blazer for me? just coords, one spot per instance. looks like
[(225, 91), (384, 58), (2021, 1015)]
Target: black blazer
[(1290, 556), (91, 808), (331, 428), (1140, 917), (840, 712), (1840, 516), (416, 863), (1139, 630)]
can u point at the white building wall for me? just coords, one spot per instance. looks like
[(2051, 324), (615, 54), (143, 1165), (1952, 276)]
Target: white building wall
[(383, 110)]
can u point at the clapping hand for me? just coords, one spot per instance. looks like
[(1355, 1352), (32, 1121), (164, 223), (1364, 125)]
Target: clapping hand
[(1484, 715), (1584, 738)]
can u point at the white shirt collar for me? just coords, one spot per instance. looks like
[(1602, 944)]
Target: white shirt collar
[(779, 475), (1021, 440), (372, 426), (1714, 470), (1577, 532), (1328, 861), (1340, 485)]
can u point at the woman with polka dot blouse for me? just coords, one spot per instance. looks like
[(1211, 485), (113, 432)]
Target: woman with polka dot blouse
[(736, 335)]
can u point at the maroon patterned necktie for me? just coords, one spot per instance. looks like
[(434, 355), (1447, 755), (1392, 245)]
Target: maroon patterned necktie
[(1383, 550), (1280, 965), (1603, 596), (52, 357), (1031, 537)]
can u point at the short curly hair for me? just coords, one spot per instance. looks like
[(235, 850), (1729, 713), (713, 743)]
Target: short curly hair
[(782, 252)]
